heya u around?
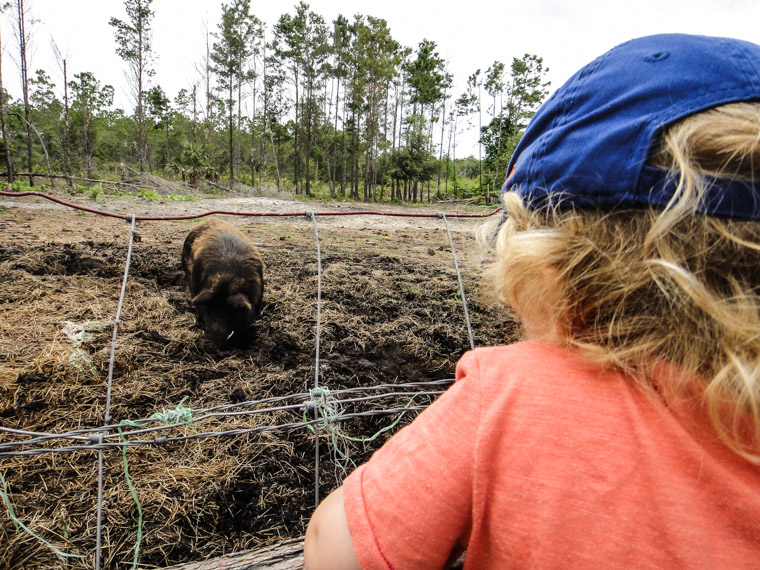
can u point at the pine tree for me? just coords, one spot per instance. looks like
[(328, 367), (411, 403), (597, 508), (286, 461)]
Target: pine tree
[(133, 45)]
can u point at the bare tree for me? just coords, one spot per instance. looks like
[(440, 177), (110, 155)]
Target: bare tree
[(62, 62), (23, 35), (8, 157)]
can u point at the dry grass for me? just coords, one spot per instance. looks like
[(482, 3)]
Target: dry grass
[(390, 314)]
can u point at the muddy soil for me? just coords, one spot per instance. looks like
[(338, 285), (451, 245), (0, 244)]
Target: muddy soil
[(390, 313)]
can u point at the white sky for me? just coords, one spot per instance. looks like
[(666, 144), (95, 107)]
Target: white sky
[(469, 34)]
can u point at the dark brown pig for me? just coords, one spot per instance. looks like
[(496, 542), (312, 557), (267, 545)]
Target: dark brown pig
[(226, 278)]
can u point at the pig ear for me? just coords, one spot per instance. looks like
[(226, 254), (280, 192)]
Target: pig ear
[(239, 301), (204, 296)]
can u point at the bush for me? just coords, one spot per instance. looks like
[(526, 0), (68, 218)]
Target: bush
[(94, 192), (146, 194)]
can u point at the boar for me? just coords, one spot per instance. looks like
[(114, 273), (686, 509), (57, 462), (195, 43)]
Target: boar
[(225, 274)]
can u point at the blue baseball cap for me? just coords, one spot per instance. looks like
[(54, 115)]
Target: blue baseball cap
[(589, 144)]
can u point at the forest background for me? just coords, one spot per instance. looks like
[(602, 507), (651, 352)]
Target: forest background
[(320, 109)]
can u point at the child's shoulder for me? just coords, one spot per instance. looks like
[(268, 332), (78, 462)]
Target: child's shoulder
[(532, 357), (540, 371)]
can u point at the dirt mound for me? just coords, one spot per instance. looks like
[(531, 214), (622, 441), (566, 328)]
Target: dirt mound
[(390, 314)]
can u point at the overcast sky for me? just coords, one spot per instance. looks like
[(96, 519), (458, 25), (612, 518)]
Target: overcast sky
[(470, 34)]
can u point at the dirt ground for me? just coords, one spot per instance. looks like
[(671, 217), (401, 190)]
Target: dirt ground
[(391, 313)]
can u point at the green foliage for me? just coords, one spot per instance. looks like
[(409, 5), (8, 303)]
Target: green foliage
[(133, 36), (340, 111), (148, 194), (212, 191), (94, 192), (426, 74), (183, 198), (525, 92), (20, 185)]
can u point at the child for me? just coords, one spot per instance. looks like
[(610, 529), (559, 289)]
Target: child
[(625, 431)]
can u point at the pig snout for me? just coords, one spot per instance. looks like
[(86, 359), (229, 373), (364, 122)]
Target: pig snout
[(226, 326)]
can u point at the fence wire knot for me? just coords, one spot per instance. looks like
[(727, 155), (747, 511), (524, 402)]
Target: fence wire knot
[(179, 415), (327, 406)]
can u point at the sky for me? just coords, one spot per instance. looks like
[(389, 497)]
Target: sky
[(469, 35)]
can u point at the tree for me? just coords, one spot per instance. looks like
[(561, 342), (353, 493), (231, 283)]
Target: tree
[(429, 80), (525, 91), (494, 84), (160, 110), (194, 159), (275, 107), (3, 126), (66, 139), (47, 113), (90, 99), (339, 50), (474, 84), (301, 40), (464, 106), (133, 45), (23, 35), (230, 55), (377, 57)]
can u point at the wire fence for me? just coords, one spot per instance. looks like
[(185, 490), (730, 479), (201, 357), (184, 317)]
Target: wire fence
[(321, 410)]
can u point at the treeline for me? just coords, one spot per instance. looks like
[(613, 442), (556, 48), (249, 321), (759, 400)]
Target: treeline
[(343, 106)]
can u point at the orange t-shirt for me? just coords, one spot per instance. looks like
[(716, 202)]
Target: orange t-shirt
[(537, 459)]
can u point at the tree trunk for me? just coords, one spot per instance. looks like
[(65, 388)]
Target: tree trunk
[(6, 142), (232, 138), (195, 113), (440, 154), (209, 103), (343, 152), (332, 167), (66, 126), (295, 139), (253, 128), (238, 139), (25, 85), (141, 143), (308, 119)]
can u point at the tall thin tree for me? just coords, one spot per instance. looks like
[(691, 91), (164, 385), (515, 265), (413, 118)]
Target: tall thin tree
[(23, 35), (134, 46), (6, 142), (66, 141), (230, 55)]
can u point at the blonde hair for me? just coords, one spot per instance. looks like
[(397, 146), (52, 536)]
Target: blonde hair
[(636, 288)]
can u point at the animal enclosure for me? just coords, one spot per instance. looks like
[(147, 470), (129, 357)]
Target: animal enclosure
[(242, 477)]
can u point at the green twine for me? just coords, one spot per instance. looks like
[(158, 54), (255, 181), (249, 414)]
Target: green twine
[(135, 498), (330, 409), (18, 524), (181, 415)]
